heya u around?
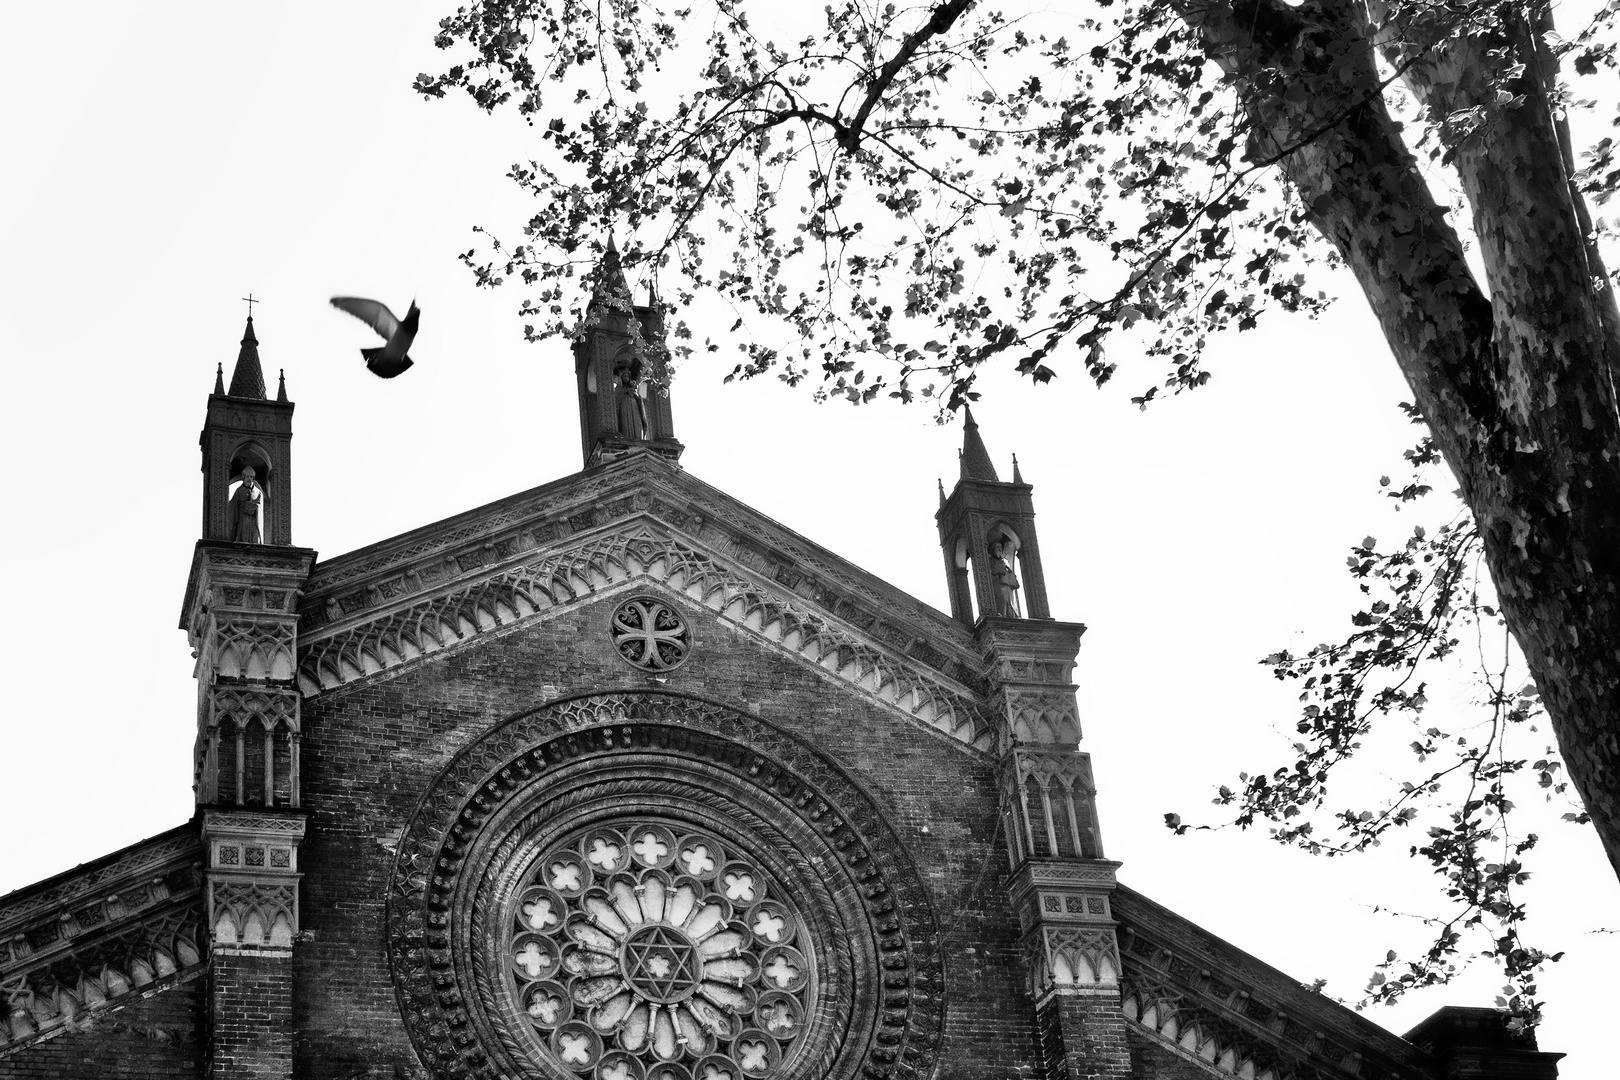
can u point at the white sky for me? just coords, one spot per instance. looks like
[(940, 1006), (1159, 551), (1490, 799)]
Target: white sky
[(159, 168)]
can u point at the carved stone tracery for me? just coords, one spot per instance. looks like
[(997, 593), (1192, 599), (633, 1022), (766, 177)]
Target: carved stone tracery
[(640, 943), (1050, 803), (866, 932), (524, 524), (650, 634), (252, 898), (1042, 715), (99, 939), (1074, 957), (641, 553), (1200, 997)]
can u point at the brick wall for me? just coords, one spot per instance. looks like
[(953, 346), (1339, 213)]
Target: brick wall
[(250, 997), (369, 753), (1083, 1037), (157, 1038), (1153, 1061)]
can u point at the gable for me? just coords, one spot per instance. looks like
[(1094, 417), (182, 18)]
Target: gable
[(637, 522)]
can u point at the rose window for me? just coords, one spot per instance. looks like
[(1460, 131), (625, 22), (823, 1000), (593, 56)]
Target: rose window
[(650, 634), (643, 952)]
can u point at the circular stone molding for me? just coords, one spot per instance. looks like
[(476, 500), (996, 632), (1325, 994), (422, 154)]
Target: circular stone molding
[(650, 634), (648, 886)]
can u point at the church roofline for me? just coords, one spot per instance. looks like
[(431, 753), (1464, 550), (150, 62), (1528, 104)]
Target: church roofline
[(636, 522), (8, 901), (1265, 995), (381, 557), (129, 924)]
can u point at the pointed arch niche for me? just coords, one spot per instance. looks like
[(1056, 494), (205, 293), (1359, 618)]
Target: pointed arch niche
[(1004, 543), (250, 455)]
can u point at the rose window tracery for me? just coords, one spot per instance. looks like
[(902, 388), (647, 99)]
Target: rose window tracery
[(647, 886), (650, 634), (642, 951)]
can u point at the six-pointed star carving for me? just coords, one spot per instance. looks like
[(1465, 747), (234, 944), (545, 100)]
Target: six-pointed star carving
[(661, 963)]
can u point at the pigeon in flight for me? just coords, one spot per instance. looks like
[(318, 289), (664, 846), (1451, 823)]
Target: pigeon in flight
[(390, 359)]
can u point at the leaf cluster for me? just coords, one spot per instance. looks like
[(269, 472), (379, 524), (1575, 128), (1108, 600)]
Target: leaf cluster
[(910, 192), (1426, 600)]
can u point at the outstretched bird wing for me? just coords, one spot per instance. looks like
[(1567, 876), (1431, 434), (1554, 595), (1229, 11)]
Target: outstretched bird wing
[(371, 312)]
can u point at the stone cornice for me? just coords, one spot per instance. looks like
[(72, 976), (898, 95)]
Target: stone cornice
[(1184, 986), (626, 553), (99, 936), (221, 563), (633, 522), (154, 856), (530, 521)]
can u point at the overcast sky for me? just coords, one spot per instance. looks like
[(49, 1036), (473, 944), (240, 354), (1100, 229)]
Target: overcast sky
[(160, 167)]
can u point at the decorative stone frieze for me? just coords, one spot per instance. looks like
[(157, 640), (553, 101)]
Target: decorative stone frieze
[(252, 868), (1041, 715), (1204, 999), (627, 556), (1030, 664), (1064, 909), (360, 583), (87, 942)]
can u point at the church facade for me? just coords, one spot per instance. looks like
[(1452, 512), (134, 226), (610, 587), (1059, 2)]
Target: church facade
[(618, 779)]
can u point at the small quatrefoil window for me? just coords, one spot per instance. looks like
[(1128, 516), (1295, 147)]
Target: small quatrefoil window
[(650, 634)]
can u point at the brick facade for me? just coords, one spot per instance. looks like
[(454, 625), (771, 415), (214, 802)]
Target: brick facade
[(395, 746), (389, 739), (250, 1015), (1083, 1036), (155, 1038)]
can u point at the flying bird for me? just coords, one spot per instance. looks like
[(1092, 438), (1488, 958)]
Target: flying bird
[(389, 359)]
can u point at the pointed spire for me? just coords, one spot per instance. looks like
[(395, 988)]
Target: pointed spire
[(281, 395), (941, 482), (976, 463), (247, 380), (611, 293), (219, 380), (1018, 477)]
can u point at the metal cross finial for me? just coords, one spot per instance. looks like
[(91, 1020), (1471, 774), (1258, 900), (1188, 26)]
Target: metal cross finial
[(250, 303)]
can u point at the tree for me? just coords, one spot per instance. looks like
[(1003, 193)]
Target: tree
[(1160, 171)]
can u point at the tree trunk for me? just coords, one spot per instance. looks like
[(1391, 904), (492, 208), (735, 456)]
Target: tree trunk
[(1517, 388)]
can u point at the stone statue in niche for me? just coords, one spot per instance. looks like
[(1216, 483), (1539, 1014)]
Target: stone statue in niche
[(1006, 581), (632, 413), (245, 509)]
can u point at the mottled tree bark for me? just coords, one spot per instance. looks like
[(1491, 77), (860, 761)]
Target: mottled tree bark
[(1516, 377)]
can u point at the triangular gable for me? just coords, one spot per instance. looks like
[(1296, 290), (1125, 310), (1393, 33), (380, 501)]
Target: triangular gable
[(634, 523)]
